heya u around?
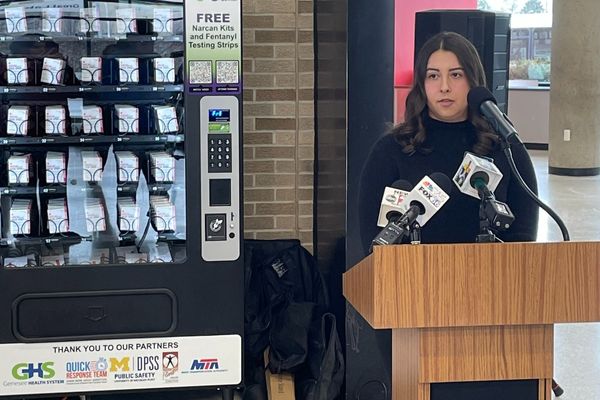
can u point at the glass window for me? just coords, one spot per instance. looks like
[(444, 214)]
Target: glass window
[(92, 142), (531, 37)]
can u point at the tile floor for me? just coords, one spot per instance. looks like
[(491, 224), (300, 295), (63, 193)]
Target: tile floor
[(576, 346)]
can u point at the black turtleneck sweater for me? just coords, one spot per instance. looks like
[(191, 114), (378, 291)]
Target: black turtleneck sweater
[(458, 220)]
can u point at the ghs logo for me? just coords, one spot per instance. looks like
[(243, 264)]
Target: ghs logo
[(24, 371)]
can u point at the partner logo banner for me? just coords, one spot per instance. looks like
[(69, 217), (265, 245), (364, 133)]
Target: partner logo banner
[(128, 364)]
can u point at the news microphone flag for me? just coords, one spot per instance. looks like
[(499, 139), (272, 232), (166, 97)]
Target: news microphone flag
[(475, 167), (428, 195), (392, 200)]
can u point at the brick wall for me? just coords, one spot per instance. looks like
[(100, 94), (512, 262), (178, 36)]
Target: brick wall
[(278, 119)]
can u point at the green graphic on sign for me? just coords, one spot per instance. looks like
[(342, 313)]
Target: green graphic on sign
[(219, 127)]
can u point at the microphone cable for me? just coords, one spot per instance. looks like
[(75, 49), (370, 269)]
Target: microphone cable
[(511, 162)]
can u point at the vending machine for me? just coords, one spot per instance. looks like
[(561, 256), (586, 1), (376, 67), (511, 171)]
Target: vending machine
[(120, 196)]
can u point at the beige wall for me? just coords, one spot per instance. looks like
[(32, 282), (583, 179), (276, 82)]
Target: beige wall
[(278, 119), (529, 110)]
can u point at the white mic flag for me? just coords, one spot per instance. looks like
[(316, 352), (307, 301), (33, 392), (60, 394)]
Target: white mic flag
[(429, 196), (392, 200), (475, 167)]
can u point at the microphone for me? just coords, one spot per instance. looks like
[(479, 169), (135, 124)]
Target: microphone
[(478, 177), (426, 198), (476, 167), (482, 102), (392, 202)]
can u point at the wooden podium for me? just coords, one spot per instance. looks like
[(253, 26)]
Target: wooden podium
[(474, 312)]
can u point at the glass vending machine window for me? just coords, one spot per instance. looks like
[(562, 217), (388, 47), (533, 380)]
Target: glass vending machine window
[(91, 135)]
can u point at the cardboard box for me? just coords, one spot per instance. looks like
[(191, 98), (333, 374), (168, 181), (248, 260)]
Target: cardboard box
[(91, 69), (17, 120), (16, 71), (92, 119), (52, 20), (53, 70), (89, 20), (164, 69), (58, 216), (57, 260), (128, 166), (95, 216), (128, 118), (129, 70), (166, 119), (126, 20), (128, 215), (162, 166), (92, 166), (56, 167), (163, 213), (56, 120), (163, 20), (19, 168), (130, 255), (16, 19), (279, 386), (20, 217)]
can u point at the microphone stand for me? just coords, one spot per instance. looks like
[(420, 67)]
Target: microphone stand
[(412, 231), (493, 216), (415, 233), (486, 233)]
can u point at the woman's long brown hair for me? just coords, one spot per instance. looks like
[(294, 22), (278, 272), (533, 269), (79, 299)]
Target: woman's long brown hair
[(411, 133)]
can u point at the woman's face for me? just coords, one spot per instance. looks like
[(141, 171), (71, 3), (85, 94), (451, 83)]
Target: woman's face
[(446, 87)]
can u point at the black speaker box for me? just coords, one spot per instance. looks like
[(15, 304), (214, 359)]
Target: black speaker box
[(488, 31)]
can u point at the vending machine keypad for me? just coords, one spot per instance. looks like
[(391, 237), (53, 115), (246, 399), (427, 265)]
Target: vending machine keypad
[(219, 153)]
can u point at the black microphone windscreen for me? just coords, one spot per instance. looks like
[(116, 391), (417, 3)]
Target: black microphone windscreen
[(442, 181), (402, 184), (477, 96)]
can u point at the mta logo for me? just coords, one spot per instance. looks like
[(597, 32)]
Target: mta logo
[(122, 364), (24, 371), (205, 363)]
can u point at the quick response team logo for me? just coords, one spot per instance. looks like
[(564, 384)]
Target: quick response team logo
[(85, 370), (170, 363)]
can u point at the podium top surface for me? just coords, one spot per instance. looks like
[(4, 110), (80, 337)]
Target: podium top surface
[(457, 285)]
